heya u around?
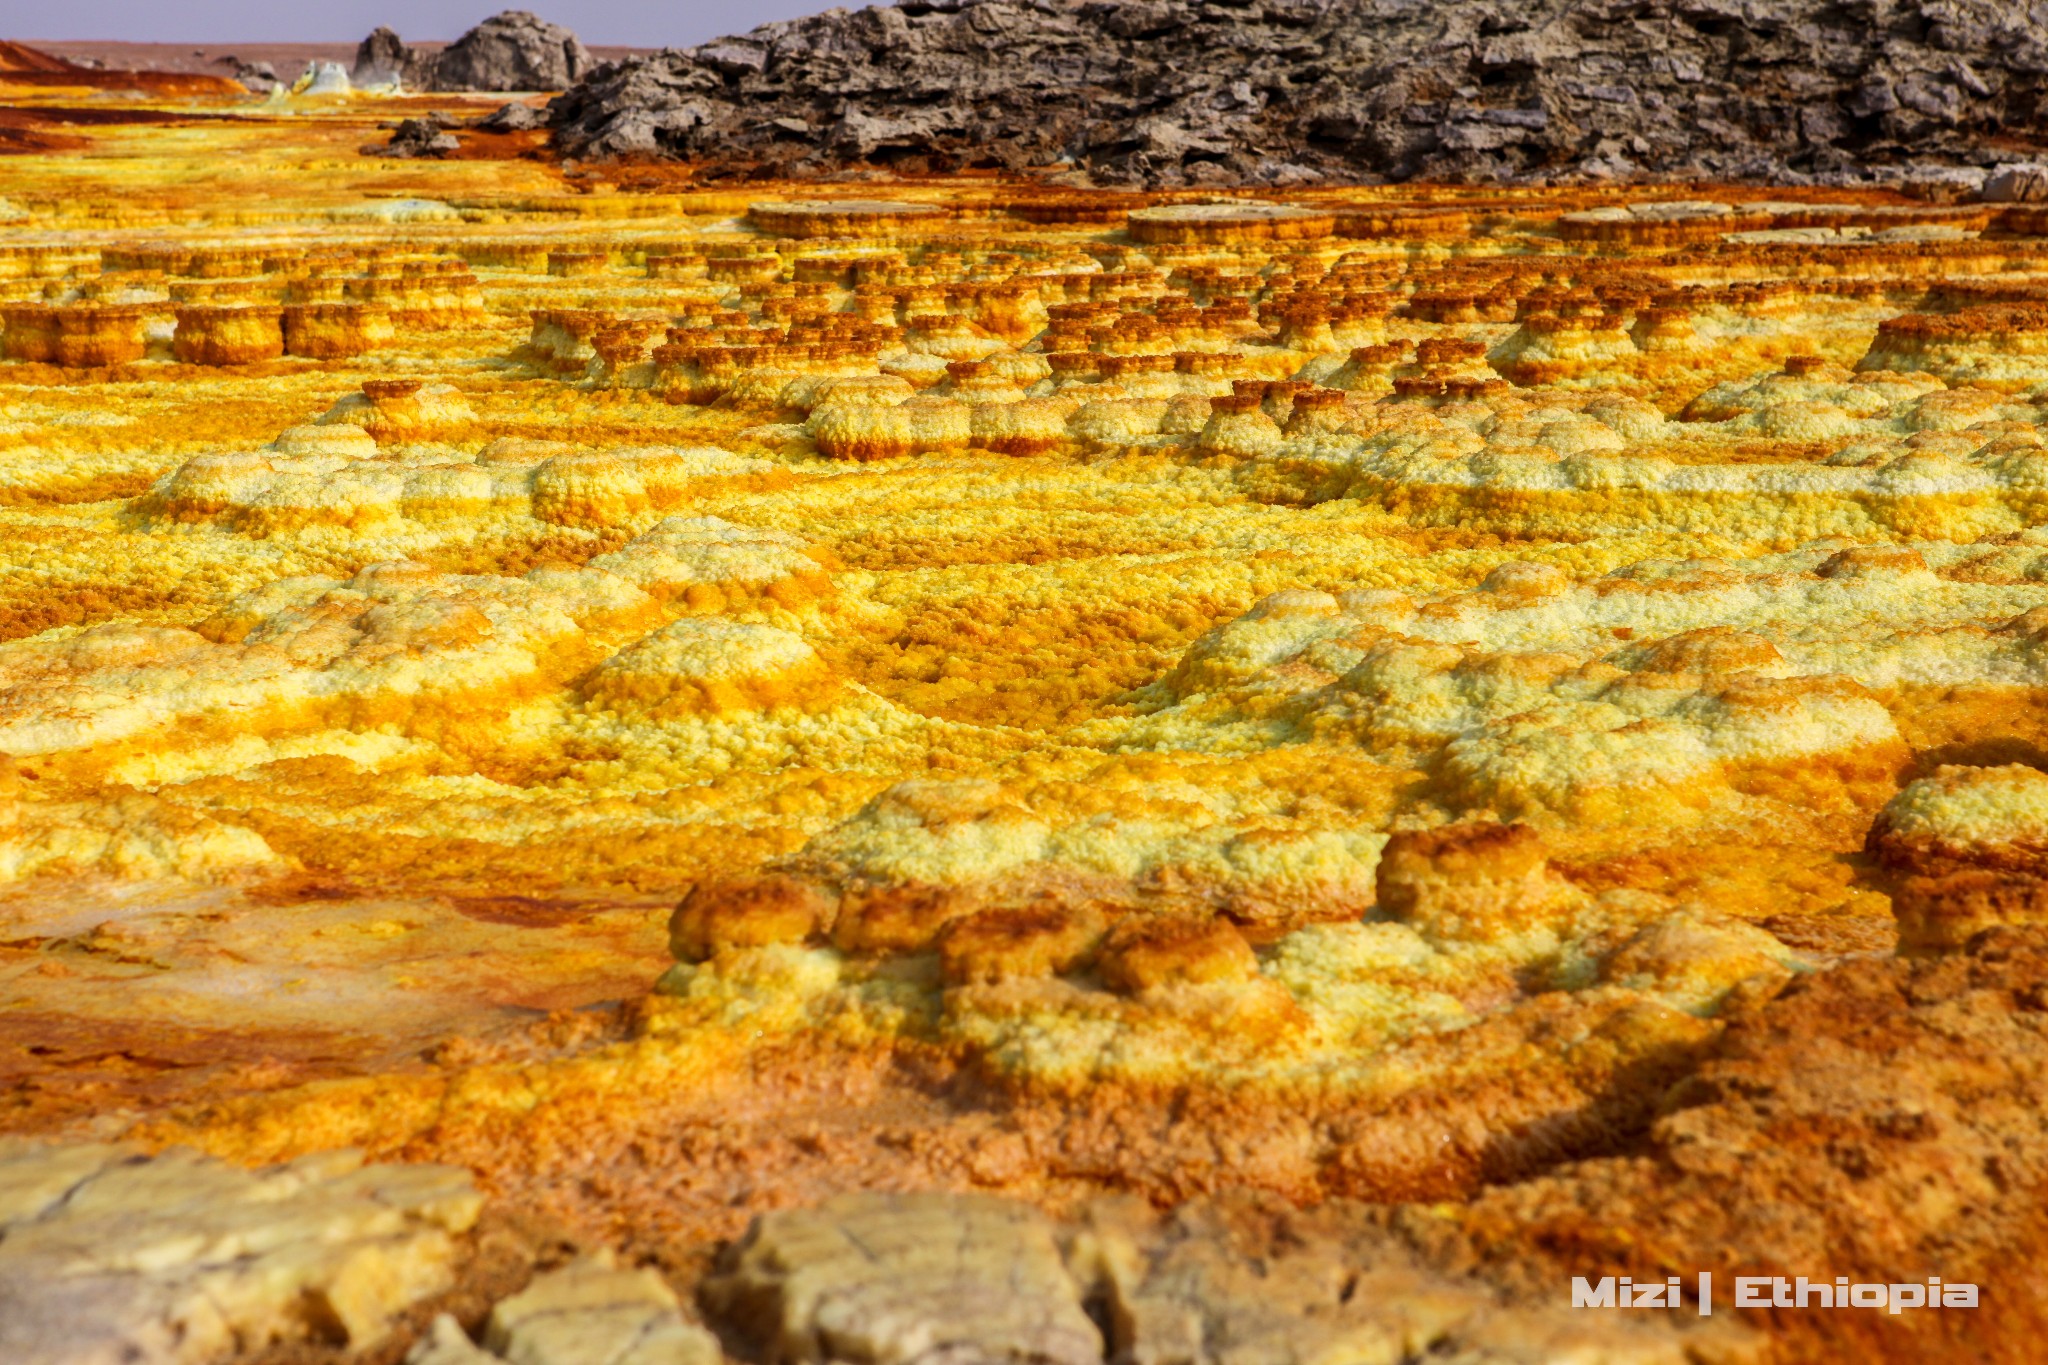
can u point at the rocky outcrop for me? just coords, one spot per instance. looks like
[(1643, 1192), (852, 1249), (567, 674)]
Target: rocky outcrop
[(512, 51), (384, 57), (875, 1279), (1169, 92), (258, 78), (515, 50), (513, 118), (922, 1279), (585, 1312), (417, 137)]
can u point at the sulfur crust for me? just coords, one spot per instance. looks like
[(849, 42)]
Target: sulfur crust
[(1225, 658), (1965, 806)]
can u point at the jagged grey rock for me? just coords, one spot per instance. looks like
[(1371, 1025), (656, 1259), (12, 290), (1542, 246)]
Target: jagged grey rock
[(384, 57), (2020, 184), (1168, 92), (514, 50), (257, 77), (513, 117), (419, 137)]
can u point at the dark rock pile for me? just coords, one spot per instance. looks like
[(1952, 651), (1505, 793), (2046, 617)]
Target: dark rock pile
[(514, 50), (1170, 92), (420, 137)]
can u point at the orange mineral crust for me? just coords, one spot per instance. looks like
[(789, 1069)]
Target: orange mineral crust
[(984, 769)]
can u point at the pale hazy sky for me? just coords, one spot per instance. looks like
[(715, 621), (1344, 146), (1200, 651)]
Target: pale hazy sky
[(211, 23)]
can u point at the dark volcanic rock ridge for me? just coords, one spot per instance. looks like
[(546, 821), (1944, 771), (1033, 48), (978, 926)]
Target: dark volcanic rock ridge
[(514, 50), (1195, 92)]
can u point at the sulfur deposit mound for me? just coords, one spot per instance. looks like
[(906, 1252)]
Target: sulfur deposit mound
[(971, 771), (1174, 92)]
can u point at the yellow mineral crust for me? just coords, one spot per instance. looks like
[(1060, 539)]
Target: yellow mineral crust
[(1967, 846), (1353, 694)]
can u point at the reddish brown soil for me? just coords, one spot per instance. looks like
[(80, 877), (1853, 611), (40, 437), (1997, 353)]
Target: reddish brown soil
[(24, 131), (24, 65), (14, 57)]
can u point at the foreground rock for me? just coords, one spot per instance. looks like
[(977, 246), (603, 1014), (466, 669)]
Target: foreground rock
[(107, 1255), (880, 1279), (583, 1314), (515, 50), (1170, 92)]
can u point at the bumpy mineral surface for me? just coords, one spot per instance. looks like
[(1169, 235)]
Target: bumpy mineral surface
[(604, 773), (1171, 92)]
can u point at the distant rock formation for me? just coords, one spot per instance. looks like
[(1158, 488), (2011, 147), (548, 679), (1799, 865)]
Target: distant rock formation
[(515, 50), (17, 57), (24, 65), (1176, 92), (259, 77), (384, 57)]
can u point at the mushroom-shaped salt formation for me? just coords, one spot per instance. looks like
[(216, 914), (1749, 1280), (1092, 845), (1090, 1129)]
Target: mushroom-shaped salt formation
[(334, 331), (1030, 426), (79, 336), (572, 264), (1572, 347), (1663, 223), (842, 217), (1239, 427), (597, 488), (1404, 224), (403, 410), (1230, 223), (865, 431), (679, 266), (228, 334), (52, 261), (425, 294), (2001, 346)]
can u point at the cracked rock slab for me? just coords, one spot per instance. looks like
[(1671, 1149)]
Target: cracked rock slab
[(885, 1279), (109, 1256), (587, 1313)]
